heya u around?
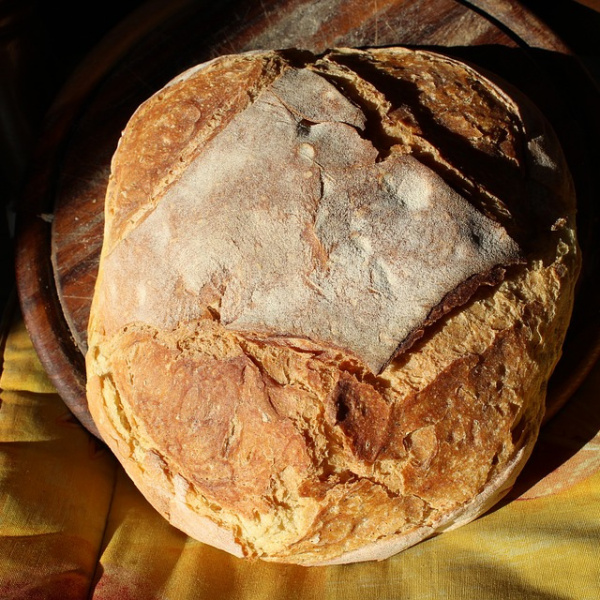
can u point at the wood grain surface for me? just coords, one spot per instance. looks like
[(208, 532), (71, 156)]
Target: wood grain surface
[(61, 225)]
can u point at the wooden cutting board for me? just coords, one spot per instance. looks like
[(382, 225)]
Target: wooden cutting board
[(61, 223)]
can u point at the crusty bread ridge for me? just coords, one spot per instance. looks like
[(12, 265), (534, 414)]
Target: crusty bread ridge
[(331, 293)]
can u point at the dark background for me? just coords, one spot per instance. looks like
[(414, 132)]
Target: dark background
[(42, 41)]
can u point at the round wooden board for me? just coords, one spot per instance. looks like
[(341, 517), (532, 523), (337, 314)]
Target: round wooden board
[(61, 224)]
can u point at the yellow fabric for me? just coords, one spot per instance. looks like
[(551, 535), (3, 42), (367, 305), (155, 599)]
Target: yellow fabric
[(72, 525)]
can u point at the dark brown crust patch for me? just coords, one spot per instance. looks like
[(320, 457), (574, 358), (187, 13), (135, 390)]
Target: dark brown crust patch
[(362, 414)]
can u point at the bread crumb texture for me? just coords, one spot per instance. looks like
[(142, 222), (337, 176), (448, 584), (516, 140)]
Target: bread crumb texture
[(331, 293)]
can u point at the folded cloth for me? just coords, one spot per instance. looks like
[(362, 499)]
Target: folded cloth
[(73, 526)]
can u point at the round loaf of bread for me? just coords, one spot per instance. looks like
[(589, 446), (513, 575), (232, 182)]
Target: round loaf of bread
[(331, 293)]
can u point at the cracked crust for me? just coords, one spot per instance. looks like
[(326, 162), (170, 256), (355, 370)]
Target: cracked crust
[(297, 428)]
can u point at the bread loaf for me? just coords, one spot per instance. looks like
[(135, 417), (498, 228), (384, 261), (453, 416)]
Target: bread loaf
[(331, 293)]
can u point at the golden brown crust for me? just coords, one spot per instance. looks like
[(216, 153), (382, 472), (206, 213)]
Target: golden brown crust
[(296, 448)]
